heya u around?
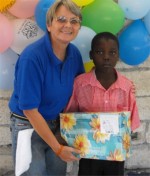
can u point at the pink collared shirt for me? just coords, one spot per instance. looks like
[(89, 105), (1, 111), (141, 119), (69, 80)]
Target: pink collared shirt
[(90, 96)]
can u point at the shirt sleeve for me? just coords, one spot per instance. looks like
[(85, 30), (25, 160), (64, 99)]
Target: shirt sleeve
[(135, 120), (29, 84), (73, 105)]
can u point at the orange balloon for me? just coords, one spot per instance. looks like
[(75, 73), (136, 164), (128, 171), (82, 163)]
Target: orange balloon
[(5, 4)]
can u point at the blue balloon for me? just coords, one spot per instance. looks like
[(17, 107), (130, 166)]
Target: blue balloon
[(147, 21), (40, 12), (134, 43), (8, 60)]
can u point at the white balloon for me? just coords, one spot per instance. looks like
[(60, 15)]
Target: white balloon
[(26, 31), (135, 9), (147, 21), (83, 42), (8, 61)]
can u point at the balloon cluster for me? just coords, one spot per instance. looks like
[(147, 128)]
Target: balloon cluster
[(129, 20)]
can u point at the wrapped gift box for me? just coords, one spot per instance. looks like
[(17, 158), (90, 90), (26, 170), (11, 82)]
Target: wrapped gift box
[(105, 136)]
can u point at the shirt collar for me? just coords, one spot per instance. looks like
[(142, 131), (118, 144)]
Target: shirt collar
[(120, 82), (92, 80)]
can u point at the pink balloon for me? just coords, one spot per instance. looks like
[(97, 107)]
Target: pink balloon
[(23, 8), (6, 33)]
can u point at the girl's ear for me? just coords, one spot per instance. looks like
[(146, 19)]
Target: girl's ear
[(90, 54)]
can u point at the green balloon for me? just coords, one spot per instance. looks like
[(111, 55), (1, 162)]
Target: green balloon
[(103, 15)]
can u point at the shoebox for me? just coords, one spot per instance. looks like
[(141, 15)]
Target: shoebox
[(100, 135)]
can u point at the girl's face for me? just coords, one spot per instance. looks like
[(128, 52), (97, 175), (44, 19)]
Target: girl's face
[(65, 26), (105, 54)]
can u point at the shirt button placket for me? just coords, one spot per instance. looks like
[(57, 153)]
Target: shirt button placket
[(106, 101)]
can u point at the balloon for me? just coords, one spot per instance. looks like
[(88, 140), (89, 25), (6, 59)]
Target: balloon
[(134, 43), (103, 15), (135, 9), (88, 66), (81, 3), (23, 8), (8, 60), (5, 4), (6, 33), (147, 21), (26, 31), (83, 42), (40, 12)]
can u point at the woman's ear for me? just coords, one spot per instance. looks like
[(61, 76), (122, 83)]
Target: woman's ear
[(48, 27)]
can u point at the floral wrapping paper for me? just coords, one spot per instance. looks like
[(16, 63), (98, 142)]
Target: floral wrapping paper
[(104, 136)]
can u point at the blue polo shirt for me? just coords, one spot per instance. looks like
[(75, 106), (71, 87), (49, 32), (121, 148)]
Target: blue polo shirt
[(42, 81)]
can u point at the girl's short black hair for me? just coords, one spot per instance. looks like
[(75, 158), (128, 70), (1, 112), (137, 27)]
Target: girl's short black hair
[(104, 35)]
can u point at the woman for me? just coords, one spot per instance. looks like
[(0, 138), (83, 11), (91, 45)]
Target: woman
[(43, 83)]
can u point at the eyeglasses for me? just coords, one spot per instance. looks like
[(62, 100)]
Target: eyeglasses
[(73, 21)]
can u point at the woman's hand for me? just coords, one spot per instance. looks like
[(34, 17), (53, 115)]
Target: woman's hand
[(66, 154)]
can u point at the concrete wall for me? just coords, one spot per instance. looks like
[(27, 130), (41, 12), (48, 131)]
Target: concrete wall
[(141, 140)]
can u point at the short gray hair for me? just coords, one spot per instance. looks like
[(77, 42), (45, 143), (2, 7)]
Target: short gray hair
[(69, 4)]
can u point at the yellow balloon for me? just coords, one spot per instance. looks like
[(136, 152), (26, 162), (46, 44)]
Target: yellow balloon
[(6, 4), (88, 66), (82, 3)]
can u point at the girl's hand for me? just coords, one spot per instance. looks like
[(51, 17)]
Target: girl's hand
[(66, 153)]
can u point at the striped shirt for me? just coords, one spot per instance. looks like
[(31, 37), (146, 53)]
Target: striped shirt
[(90, 96)]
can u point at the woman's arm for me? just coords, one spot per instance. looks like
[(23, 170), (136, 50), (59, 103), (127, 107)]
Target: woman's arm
[(41, 127)]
